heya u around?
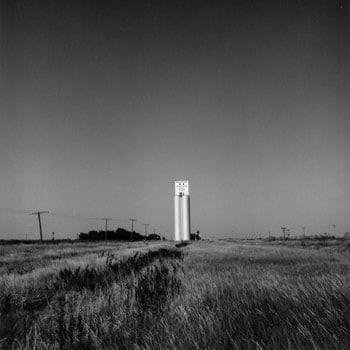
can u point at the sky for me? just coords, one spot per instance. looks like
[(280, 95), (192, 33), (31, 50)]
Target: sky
[(103, 104)]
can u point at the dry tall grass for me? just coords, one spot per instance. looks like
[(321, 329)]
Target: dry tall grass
[(223, 295)]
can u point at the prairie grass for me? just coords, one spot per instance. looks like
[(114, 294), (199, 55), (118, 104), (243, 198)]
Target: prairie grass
[(206, 295)]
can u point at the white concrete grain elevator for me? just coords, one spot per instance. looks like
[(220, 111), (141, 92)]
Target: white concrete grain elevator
[(182, 221)]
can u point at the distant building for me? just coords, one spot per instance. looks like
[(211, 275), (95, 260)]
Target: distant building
[(153, 237), (195, 236)]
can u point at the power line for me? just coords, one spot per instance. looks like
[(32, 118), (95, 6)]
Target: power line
[(15, 211), (78, 217), (67, 216)]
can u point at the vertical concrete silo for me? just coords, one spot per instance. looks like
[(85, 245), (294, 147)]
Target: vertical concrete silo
[(182, 221)]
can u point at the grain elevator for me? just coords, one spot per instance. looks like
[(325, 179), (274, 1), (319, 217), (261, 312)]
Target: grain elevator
[(182, 222)]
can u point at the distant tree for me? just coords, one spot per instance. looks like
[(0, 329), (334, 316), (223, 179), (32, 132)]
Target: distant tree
[(119, 235), (153, 237), (83, 236)]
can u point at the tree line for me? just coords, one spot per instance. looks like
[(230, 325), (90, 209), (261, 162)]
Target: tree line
[(120, 234)]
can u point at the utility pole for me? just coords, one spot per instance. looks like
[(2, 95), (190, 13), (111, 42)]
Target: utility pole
[(38, 213), (284, 232), (304, 231), (146, 229), (132, 228), (334, 226), (106, 220)]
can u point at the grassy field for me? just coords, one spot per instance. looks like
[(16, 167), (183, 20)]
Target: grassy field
[(151, 295)]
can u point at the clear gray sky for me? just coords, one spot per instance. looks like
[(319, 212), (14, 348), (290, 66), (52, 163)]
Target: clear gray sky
[(104, 104)]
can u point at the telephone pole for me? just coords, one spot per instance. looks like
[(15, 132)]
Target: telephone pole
[(146, 229), (284, 229), (288, 232), (38, 213), (304, 231), (132, 228), (334, 226), (106, 220)]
